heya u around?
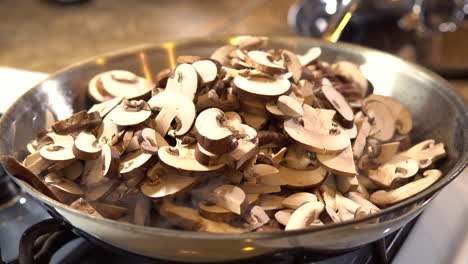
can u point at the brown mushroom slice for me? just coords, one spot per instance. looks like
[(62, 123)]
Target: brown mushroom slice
[(73, 171), (86, 147), (361, 138), (207, 70), (184, 81), (251, 42), (39, 165), (263, 61), (106, 131), (189, 219), (95, 192), (299, 158), (304, 215), (121, 83), (256, 217), (293, 64), (296, 200), (283, 216), (289, 106), (205, 157), (84, 207), (346, 183), (310, 56), (383, 123), (260, 188), (402, 116), (77, 122), (216, 213), (270, 202), (130, 113), (352, 73), (111, 161), (184, 159), (341, 163), (267, 174), (426, 153), (399, 167), (339, 103), (142, 210), (66, 190), (93, 172), (110, 211), (386, 153), (317, 133), (58, 152), (231, 198), (212, 134), (105, 107), (245, 151), (385, 198), (261, 87), (133, 161), (221, 54), (365, 204), (301, 179)]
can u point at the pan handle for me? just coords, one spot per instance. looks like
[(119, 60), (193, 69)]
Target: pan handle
[(40, 241)]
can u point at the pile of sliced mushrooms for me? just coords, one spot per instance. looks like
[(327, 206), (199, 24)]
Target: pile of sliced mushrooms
[(249, 139)]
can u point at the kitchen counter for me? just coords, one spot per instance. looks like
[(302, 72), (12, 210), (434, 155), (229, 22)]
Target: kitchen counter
[(42, 36)]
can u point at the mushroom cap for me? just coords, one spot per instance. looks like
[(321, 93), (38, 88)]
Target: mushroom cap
[(261, 86), (177, 106), (303, 178), (183, 159), (318, 133)]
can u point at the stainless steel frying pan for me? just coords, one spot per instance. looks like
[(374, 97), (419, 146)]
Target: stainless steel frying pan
[(438, 111)]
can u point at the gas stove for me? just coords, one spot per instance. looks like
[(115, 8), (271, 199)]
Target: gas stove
[(21, 218)]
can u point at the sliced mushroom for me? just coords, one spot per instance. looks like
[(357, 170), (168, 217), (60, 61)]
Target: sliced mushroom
[(331, 213), (304, 215), (141, 213), (338, 102), (346, 204), (121, 83), (207, 70), (161, 77), (365, 204), (341, 163), (385, 198), (299, 158), (310, 56), (261, 86), (296, 200), (212, 134), (134, 161), (366, 182), (74, 171), (260, 188), (264, 61), (426, 153), (244, 151), (346, 183), (256, 217), (381, 120), (84, 207), (66, 190), (39, 165), (317, 133), (77, 122), (270, 202), (221, 54), (93, 172), (61, 150), (109, 210), (386, 153), (399, 167), (293, 64), (251, 42), (361, 139), (105, 107), (255, 121), (216, 213), (86, 146), (130, 113), (95, 192), (267, 174), (231, 197), (184, 81), (301, 179), (401, 115), (227, 102), (328, 191), (283, 216), (351, 72), (106, 131), (184, 159), (285, 107)]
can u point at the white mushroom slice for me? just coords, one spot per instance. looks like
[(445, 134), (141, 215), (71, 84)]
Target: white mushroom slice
[(267, 174), (264, 61), (256, 217), (310, 56), (93, 172), (361, 138), (426, 153), (329, 194), (173, 105), (386, 153), (251, 42), (121, 83), (86, 146), (245, 151), (109, 210), (212, 134), (84, 207), (260, 188), (66, 190), (95, 192), (365, 204), (293, 64), (270, 202), (366, 182), (345, 203), (299, 158), (185, 81), (216, 213), (384, 198), (130, 113), (131, 162), (39, 165), (283, 216), (383, 123), (110, 161), (399, 167), (332, 214), (221, 54), (261, 87), (362, 190), (240, 64), (231, 197), (60, 150), (73, 171), (166, 185), (106, 131), (278, 157), (303, 178), (340, 104), (289, 106), (296, 200), (228, 102), (189, 219), (141, 213), (207, 70), (304, 215), (255, 121), (401, 115), (184, 159), (352, 73), (346, 183), (207, 158), (344, 214), (318, 132), (341, 163), (105, 107)]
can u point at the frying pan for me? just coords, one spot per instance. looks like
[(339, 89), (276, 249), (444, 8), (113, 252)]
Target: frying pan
[(438, 112)]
